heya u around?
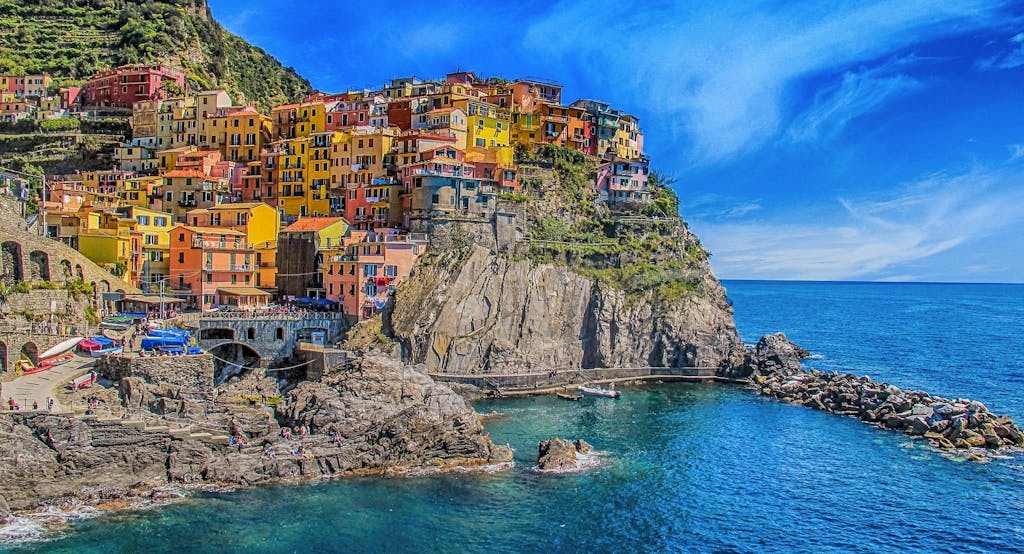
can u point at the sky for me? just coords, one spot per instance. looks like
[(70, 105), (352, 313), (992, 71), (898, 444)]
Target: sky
[(813, 141)]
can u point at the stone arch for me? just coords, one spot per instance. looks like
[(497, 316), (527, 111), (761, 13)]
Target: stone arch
[(31, 351), (11, 265), (217, 333), (231, 359), (78, 272), (104, 286), (39, 265), (3, 356), (95, 290), (65, 267)]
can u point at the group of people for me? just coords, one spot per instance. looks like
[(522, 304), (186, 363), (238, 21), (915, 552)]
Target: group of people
[(15, 406)]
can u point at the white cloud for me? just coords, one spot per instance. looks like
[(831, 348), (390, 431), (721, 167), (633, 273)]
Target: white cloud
[(872, 238), (1016, 152), (1009, 59), (721, 71), (857, 93)]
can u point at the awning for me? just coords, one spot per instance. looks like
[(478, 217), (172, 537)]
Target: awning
[(242, 291), (155, 300)]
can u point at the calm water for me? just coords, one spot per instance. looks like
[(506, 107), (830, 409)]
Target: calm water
[(689, 467)]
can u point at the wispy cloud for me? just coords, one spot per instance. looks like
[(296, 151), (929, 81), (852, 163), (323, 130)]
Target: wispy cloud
[(872, 238), (1008, 59), (723, 70), (856, 94), (1016, 152)]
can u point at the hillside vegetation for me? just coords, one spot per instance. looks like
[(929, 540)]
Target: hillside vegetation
[(73, 39)]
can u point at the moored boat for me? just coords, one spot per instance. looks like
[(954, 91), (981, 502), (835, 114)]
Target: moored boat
[(598, 391), (567, 396), (61, 348)]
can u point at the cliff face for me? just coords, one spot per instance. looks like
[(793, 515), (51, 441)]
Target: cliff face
[(488, 312)]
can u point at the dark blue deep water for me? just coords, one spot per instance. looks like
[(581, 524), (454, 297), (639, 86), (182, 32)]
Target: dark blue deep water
[(705, 468)]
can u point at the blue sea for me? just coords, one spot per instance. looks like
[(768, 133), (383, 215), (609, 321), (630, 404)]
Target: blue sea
[(687, 467)]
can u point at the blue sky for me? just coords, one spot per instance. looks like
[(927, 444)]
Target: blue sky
[(839, 140)]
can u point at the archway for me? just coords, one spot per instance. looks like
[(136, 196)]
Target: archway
[(217, 333), (31, 351), (39, 265), (65, 267), (11, 263), (79, 273), (232, 359), (104, 287), (3, 356)]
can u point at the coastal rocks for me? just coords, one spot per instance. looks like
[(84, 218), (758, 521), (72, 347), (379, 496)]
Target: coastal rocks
[(391, 415), (561, 455), (947, 424), (773, 354)]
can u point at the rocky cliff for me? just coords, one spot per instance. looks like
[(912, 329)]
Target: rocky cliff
[(558, 281)]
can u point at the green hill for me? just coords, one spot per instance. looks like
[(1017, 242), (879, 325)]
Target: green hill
[(73, 39)]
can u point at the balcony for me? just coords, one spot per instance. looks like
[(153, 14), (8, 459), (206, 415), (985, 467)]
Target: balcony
[(187, 203)]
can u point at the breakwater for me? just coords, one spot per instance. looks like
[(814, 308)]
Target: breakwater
[(959, 423)]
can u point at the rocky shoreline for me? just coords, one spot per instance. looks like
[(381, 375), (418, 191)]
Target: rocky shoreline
[(948, 424)]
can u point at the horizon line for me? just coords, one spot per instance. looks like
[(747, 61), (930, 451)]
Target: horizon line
[(862, 282)]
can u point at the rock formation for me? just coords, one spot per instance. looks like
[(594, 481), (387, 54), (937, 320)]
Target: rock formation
[(496, 314), (947, 424), (380, 416), (561, 455)]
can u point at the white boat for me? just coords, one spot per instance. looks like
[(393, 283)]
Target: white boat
[(598, 391), (61, 348), (104, 351)]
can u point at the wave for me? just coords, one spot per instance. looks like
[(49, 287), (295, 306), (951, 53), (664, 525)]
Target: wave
[(46, 524)]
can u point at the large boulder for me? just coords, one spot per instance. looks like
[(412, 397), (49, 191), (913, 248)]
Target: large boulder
[(562, 455), (773, 354)]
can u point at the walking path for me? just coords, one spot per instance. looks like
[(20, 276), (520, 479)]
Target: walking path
[(39, 387)]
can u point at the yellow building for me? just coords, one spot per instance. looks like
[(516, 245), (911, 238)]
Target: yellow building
[(154, 228), (145, 118), (238, 132), (488, 125), (111, 241), (142, 191), (361, 158), (298, 120), (628, 138)]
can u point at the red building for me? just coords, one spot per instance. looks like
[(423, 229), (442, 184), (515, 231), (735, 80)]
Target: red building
[(123, 86)]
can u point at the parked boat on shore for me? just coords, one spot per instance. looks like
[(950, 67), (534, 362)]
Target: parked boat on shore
[(598, 391), (567, 396)]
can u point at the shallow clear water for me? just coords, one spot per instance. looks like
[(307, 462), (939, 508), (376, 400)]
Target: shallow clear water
[(688, 467)]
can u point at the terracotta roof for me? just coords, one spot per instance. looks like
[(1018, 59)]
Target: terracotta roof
[(217, 230), (184, 173), (312, 224), (237, 205)]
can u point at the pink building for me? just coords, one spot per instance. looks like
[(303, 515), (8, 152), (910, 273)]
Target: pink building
[(123, 86)]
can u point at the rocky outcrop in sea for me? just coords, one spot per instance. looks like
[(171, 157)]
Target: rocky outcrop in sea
[(562, 456), (959, 423)]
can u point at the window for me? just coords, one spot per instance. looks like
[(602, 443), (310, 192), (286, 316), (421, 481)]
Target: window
[(435, 199), (480, 142), (181, 237), (391, 271), (279, 333), (150, 239), (370, 270), (160, 221), (250, 333), (181, 257)]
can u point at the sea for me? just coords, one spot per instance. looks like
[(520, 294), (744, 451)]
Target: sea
[(683, 467)]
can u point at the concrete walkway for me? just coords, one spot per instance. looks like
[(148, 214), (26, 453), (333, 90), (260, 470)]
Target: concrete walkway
[(39, 387)]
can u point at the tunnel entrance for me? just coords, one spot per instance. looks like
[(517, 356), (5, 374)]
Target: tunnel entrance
[(232, 359)]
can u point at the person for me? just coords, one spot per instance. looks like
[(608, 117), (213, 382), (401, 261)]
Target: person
[(12, 404), (336, 438), (49, 404), (35, 405), (270, 452)]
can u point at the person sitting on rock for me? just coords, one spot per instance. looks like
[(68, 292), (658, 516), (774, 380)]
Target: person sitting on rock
[(336, 437), (286, 433), (270, 453)]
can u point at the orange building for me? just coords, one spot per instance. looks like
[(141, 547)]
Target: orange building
[(212, 266)]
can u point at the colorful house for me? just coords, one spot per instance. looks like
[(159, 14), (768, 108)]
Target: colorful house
[(362, 273), (259, 222), (213, 266), (155, 229), (623, 181), (300, 254), (123, 86)]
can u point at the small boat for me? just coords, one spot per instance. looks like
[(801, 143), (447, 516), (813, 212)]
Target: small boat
[(61, 348), (99, 353), (598, 391), (566, 396)]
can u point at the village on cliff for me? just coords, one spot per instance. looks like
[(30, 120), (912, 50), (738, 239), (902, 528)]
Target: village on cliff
[(327, 202)]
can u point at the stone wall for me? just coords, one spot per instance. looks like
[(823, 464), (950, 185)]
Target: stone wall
[(273, 338), (193, 374)]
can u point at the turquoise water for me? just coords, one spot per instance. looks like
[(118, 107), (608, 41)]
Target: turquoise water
[(688, 467)]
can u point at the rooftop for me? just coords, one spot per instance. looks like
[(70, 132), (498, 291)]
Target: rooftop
[(312, 224)]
